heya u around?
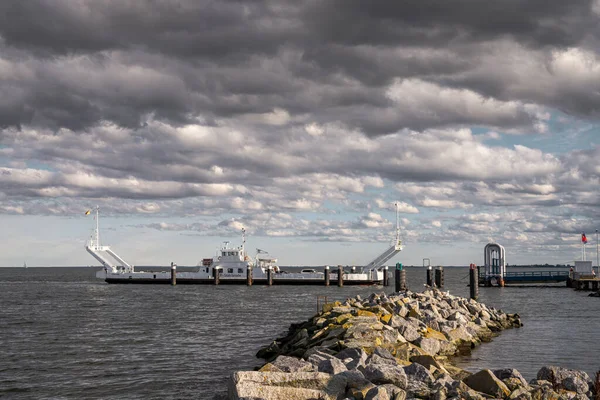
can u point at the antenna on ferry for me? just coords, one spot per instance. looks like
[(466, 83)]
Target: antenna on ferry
[(243, 240), (397, 222), (97, 233)]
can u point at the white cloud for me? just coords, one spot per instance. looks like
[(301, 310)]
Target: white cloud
[(314, 129), (277, 117), (428, 103)]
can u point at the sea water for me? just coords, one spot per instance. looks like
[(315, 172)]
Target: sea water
[(66, 335)]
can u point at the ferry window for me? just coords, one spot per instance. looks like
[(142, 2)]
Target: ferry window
[(154, 276), (240, 271), (229, 270), (206, 269)]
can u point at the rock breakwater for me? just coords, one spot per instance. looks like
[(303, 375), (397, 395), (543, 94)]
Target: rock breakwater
[(398, 347)]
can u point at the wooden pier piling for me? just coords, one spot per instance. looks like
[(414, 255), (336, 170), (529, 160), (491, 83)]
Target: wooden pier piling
[(216, 275), (173, 274), (439, 277), (473, 281), (400, 278), (326, 273), (385, 276), (270, 276), (429, 276), (249, 275), (340, 277)]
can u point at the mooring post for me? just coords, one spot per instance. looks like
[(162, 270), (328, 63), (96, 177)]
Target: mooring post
[(439, 277), (340, 276), (326, 273), (270, 276), (249, 275), (385, 276), (216, 274), (173, 274), (429, 276), (400, 277), (474, 281)]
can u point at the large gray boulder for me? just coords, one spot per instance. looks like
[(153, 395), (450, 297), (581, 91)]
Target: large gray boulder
[(316, 356), (511, 377), (486, 382), (281, 385), (354, 379), (386, 373), (291, 364), (376, 359), (353, 357), (332, 366), (408, 330), (384, 353), (418, 372), (575, 384), (377, 393), (427, 361), (417, 389), (557, 375), (521, 393), (395, 392), (429, 345)]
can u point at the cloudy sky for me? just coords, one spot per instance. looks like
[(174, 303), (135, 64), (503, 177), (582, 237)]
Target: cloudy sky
[(302, 121)]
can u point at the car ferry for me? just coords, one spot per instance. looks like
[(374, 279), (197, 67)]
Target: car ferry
[(233, 265)]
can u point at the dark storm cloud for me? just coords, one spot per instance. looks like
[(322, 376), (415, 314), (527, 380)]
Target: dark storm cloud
[(192, 28), (335, 61), (435, 22), (186, 28)]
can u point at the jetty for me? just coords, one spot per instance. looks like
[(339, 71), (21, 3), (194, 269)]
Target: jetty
[(397, 346)]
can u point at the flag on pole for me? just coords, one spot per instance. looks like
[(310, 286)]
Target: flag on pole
[(88, 212), (583, 238)]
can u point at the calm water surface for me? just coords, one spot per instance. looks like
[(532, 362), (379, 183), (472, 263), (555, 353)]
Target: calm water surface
[(66, 335)]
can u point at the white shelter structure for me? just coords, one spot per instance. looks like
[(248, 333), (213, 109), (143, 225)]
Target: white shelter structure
[(583, 269), (495, 264)]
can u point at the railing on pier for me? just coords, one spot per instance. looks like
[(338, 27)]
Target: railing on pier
[(532, 276)]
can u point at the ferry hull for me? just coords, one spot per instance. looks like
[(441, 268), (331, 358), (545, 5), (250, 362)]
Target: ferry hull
[(263, 282)]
